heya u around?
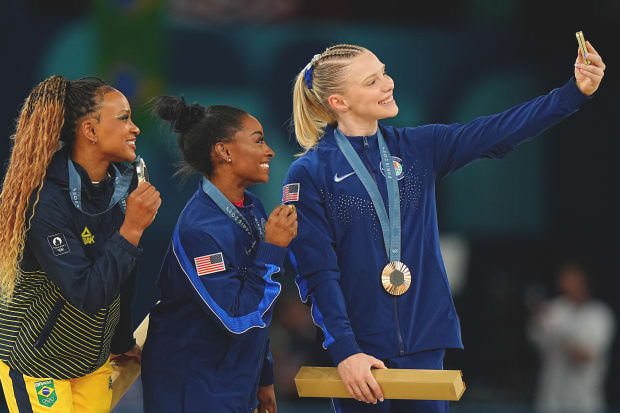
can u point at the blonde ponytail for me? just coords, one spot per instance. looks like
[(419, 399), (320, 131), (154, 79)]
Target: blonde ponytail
[(310, 116), (311, 110), (35, 141)]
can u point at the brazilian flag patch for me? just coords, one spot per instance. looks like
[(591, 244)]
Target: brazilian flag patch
[(46, 392)]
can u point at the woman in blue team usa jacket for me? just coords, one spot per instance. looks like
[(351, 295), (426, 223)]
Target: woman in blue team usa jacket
[(72, 219), (207, 348), (368, 247)]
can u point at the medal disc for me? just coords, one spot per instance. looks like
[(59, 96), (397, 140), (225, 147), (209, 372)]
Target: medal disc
[(396, 278), (143, 174)]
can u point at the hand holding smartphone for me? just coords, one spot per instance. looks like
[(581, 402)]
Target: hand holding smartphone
[(582, 46)]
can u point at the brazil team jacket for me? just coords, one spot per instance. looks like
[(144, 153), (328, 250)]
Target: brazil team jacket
[(208, 342), (339, 247), (79, 281)]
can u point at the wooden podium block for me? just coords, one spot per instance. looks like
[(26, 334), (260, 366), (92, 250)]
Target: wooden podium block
[(396, 383), (124, 375)]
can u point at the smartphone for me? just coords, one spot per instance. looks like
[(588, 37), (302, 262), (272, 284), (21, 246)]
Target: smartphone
[(582, 45)]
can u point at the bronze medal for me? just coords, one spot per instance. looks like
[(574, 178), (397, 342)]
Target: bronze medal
[(396, 278)]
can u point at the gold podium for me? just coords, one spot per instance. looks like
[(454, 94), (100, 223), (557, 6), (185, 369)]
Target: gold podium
[(406, 384)]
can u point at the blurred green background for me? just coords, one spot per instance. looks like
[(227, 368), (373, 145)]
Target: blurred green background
[(515, 220)]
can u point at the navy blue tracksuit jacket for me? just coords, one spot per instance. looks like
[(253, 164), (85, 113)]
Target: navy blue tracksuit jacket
[(72, 306), (339, 247), (207, 348)]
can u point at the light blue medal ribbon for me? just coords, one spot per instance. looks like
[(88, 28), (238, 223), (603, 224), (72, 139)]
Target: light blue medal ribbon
[(121, 186), (232, 212), (390, 225)]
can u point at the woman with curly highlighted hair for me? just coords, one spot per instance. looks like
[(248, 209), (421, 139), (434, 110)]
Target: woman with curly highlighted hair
[(72, 216)]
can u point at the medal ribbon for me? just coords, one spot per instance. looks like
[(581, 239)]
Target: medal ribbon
[(231, 211), (390, 226), (121, 186)]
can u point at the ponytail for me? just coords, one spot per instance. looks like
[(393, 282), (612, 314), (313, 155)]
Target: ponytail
[(323, 77), (35, 141), (198, 129), (309, 114), (49, 114)]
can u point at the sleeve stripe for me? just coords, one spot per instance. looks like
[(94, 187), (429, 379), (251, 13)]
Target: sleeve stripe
[(236, 325), (317, 317)]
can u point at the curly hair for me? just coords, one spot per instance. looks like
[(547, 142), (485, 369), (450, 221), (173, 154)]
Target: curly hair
[(199, 128), (49, 114)]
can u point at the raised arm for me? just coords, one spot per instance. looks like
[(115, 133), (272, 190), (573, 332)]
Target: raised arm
[(213, 278), (89, 285), (494, 136)]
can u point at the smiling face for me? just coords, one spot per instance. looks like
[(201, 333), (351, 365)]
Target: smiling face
[(250, 153), (115, 132), (368, 92)]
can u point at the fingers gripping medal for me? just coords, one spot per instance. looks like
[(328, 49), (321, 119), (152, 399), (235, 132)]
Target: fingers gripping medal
[(143, 174)]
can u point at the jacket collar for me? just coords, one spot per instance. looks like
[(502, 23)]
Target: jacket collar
[(356, 141), (248, 198), (58, 173)]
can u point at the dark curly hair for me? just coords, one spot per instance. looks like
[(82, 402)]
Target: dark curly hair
[(199, 128)]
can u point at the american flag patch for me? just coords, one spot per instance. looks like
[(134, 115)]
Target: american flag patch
[(208, 264), (290, 193)]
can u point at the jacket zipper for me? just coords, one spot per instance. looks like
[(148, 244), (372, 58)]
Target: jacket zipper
[(401, 344), (366, 160)]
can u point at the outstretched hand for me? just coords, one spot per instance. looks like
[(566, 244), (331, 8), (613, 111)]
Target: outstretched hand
[(589, 76)]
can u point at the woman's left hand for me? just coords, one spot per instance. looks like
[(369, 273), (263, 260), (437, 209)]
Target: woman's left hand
[(266, 399), (122, 359), (589, 76)]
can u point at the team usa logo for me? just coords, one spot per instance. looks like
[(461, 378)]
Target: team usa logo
[(398, 167), (290, 193), (208, 264)]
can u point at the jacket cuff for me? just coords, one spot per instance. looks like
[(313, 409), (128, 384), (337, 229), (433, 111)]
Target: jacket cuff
[(119, 348), (271, 254), (126, 245), (266, 378), (343, 348), (571, 93)]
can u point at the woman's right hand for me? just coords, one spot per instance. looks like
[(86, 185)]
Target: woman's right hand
[(281, 227), (357, 378), (142, 206)]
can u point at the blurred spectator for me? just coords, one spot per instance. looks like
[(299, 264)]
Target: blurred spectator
[(573, 333)]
